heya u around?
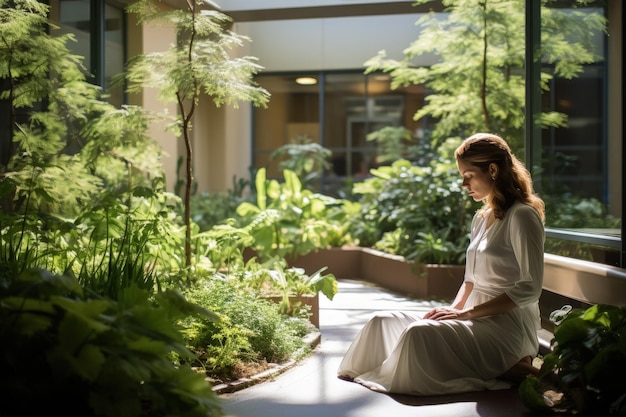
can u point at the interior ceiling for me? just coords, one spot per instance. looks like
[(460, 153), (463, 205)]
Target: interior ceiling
[(316, 12)]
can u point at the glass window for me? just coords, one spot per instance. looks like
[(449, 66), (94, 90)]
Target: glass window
[(75, 17), (292, 115), (577, 173), (102, 60), (353, 105), (114, 51)]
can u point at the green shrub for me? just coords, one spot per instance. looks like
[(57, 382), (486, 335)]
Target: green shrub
[(288, 220), (66, 353), (417, 211), (252, 329), (583, 374)]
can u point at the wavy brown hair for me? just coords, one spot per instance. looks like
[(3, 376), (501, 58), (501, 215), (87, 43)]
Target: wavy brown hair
[(513, 181)]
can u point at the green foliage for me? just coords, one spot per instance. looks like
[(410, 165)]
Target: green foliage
[(199, 63), (585, 365), (478, 82), (306, 158), (83, 198), (212, 209), (288, 220), (393, 143), (568, 211), (86, 355), (122, 240), (252, 329), (295, 282), (65, 143), (81, 192), (419, 212)]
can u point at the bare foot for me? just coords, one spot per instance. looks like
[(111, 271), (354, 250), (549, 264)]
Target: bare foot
[(520, 371)]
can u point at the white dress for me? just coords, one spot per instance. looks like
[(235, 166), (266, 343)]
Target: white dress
[(399, 352)]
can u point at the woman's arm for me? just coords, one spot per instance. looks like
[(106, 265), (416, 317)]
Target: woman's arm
[(500, 304), (457, 304)]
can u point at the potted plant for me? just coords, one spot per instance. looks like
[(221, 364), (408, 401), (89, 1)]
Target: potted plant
[(583, 373)]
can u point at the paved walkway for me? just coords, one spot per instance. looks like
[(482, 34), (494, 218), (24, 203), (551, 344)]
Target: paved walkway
[(312, 388)]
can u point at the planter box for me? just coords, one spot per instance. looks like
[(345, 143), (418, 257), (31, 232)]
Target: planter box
[(392, 272), (309, 300)]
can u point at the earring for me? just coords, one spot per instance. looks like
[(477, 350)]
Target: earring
[(493, 178)]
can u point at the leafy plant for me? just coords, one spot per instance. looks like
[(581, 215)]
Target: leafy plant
[(288, 220), (64, 143), (295, 282), (392, 143), (306, 158), (584, 371), (209, 209), (79, 354), (198, 64), (419, 212)]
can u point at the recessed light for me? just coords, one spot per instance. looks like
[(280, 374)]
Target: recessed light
[(306, 80)]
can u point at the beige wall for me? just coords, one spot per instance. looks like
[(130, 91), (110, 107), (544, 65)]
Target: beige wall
[(222, 140), (276, 4), (330, 43), (146, 39)]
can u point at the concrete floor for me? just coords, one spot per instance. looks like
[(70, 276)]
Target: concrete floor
[(311, 388)]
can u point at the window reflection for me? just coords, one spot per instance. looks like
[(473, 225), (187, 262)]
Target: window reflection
[(354, 105), (75, 16), (583, 208), (114, 52)]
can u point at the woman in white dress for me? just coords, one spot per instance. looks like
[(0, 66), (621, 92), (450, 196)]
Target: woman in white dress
[(487, 337)]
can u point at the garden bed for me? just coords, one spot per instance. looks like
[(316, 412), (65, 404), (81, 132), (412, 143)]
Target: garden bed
[(395, 273)]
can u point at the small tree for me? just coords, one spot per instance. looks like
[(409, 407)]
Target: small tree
[(198, 64), (478, 83)]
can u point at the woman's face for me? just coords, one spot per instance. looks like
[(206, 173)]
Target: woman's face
[(477, 183)]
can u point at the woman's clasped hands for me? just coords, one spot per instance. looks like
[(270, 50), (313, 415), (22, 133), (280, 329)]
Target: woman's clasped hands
[(447, 313)]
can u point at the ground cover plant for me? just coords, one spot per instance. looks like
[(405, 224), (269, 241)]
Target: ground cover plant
[(251, 334)]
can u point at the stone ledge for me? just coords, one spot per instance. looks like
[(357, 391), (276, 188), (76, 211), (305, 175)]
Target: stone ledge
[(312, 339)]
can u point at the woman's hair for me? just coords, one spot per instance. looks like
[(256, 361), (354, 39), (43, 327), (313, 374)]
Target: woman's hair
[(513, 181)]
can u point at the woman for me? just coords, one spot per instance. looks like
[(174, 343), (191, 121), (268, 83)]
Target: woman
[(489, 332)]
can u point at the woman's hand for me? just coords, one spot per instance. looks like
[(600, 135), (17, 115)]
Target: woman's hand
[(447, 313)]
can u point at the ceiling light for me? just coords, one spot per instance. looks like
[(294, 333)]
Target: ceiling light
[(306, 80)]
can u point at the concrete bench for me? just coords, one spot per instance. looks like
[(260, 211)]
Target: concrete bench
[(579, 284)]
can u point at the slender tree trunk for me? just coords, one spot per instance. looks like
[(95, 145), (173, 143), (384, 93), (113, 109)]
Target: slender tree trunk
[(187, 117), (188, 185)]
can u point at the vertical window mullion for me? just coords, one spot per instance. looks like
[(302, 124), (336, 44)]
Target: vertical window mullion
[(98, 20), (533, 88)]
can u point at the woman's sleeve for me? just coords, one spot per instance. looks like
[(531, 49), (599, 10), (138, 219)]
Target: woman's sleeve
[(527, 240)]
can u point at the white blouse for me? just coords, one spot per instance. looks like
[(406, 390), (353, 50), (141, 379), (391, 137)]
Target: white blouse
[(508, 255)]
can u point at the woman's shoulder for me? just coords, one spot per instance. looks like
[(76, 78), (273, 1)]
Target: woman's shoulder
[(523, 212)]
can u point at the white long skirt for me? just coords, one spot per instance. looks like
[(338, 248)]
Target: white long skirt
[(399, 352)]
